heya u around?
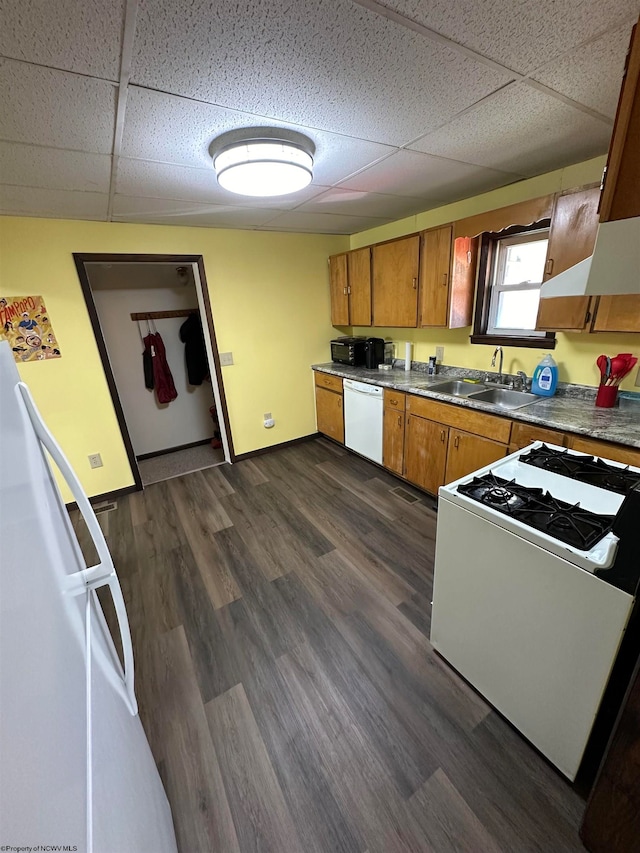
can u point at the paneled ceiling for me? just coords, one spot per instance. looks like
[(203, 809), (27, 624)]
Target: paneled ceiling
[(108, 107)]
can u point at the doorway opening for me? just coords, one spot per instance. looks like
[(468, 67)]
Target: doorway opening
[(172, 421)]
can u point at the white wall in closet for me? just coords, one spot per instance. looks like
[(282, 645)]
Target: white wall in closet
[(152, 427)]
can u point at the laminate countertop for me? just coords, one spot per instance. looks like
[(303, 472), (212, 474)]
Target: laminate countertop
[(565, 411)]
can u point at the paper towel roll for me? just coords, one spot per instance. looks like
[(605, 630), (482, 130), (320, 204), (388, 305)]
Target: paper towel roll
[(407, 355)]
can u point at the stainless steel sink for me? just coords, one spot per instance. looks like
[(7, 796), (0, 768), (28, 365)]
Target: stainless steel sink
[(505, 398), (457, 388)]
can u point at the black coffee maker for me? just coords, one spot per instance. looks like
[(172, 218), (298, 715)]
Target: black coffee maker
[(373, 352)]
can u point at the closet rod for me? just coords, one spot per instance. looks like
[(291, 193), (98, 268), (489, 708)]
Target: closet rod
[(164, 315)]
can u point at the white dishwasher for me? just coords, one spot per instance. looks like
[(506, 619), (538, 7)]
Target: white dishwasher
[(363, 418)]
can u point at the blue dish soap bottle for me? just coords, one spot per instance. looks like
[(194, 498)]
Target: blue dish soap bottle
[(545, 377)]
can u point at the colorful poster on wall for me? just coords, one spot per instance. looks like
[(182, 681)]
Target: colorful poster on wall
[(25, 323)]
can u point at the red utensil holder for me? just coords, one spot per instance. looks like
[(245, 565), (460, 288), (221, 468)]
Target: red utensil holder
[(607, 396)]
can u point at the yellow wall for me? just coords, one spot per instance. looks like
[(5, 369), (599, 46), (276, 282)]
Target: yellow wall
[(575, 353), (270, 301)]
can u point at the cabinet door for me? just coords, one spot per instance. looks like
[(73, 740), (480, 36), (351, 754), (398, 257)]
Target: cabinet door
[(393, 440), (359, 286), (572, 238), (395, 282), (466, 453), (339, 290), (617, 452), (464, 261), (425, 453), (617, 314), (621, 194), (435, 268), (329, 414)]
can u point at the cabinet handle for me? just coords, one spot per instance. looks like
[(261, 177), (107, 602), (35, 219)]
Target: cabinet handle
[(344, 290), (393, 402), (349, 290), (549, 267), (443, 435), (399, 420), (587, 317), (456, 441), (339, 402), (414, 282), (469, 256), (445, 277)]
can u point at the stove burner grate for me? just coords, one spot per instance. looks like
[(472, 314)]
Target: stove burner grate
[(569, 523), (586, 469)]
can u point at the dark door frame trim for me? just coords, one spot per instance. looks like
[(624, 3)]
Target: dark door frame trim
[(80, 259)]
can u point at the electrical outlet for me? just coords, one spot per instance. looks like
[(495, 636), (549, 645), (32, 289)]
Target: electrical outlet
[(439, 354), (95, 460), (268, 420), (226, 358)]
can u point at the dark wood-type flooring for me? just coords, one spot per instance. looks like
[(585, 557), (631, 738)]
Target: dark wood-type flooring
[(280, 617)]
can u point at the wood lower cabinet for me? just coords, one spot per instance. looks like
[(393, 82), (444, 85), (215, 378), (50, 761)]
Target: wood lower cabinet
[(393, 440), (425, 455), (466, 453), (395, 282), (330, 414), (572, 237), (522, 435), (617, 452)]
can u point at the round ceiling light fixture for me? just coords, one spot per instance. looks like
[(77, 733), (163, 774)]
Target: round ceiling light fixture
[(263, 161)]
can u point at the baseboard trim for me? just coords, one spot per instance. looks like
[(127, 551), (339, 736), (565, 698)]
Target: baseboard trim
[(164, 452), (262, 450), (107, 496)]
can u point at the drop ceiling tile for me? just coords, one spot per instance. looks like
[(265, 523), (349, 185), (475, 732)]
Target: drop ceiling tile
[(55, 108), (169, 212), (522, 36), (592, 74), (362, 203), (520, 130), (177, 130), (323, 223), (147, 179), (411, 173), (53, 168), (74, 35), (60, 204), (328, 64)]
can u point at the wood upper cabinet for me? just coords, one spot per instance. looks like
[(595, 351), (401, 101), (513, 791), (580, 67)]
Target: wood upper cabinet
[(339, 290), (617, 314), (350, 287), (395, 282), (447, 278), (621, 193), (359, 286), (466, 453), (425, 453), (329, 413), (572, 237)]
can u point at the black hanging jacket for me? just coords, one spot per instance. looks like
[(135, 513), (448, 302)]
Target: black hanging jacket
[(195, 353)]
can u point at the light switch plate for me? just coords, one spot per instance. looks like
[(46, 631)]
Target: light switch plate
[(439, 354), (226, 358), (95, 460)]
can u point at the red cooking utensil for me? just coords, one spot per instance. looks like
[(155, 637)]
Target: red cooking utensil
[(630, 363), (601, 361), (618, 368)]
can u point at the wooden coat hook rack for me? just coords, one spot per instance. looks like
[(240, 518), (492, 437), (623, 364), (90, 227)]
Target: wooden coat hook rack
[(164, 315)]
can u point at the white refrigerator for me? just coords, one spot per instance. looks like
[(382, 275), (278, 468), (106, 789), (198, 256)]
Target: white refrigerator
[(76, 771)]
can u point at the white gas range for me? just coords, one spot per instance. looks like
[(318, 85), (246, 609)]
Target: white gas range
[(534, 588)]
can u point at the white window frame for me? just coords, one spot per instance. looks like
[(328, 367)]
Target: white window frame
[(496, 286)]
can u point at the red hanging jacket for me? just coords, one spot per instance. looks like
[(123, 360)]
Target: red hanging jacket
[(163, 380)]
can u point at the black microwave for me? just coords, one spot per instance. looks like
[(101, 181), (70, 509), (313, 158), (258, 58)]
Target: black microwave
[(349, 351)]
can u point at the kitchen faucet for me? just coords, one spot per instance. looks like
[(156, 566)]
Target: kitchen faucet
[(498, 350)]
